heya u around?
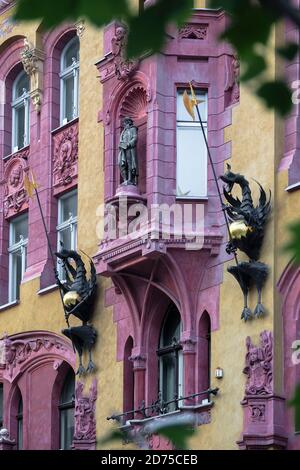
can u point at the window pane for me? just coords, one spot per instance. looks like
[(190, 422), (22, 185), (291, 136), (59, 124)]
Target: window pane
[(17, 274), (1, 405), (65, 238), (171, 329), (183, 115), (67, 394), (69, 98), (72, 52), (66, 428), (20, 425), (168, 378), (22, 83), (20, 229), (68, 207), (191, 163), (20, 127)]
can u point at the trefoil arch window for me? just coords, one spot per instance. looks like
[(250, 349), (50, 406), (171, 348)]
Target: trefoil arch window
[(20, 111), (69, 81)]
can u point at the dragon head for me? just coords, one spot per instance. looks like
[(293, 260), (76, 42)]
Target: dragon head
[(231, 179)]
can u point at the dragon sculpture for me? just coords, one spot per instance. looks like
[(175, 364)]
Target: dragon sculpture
[(247, 228), (78, 294)]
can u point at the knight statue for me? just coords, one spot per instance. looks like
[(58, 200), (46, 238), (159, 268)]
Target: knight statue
[(78, 294), (247, 229), (128, 163)]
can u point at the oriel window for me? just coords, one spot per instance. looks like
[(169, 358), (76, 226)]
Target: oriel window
[(170, 360), (191, 158), (18, 240), (20, 112), (69, 82), (66, 412)]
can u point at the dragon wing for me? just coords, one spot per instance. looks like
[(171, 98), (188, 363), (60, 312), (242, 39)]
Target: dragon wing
[(235, 202)]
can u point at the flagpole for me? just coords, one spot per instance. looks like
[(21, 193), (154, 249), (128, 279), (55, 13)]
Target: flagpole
[(51, 252), (215, 176)]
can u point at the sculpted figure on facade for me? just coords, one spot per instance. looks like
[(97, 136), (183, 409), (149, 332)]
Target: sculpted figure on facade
[(123, 66), (128, 163), (85, 423), (259, 365)]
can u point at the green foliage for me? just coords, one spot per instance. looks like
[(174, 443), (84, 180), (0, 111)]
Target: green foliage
[(296, 404), (278, 93), (178, 435), (294, 245)]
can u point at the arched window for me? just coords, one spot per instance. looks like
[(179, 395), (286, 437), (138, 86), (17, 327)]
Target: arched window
[(170, 359), (20, 112), (66, 411), (69, 81), (20, 425)]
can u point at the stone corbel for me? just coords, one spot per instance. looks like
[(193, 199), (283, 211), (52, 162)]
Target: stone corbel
[(80, 28), (33, 63)]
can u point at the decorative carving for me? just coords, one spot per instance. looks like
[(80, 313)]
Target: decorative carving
[(80, 28), (6, 443), (232, 87), (134, 103), (33, 59), (193, 31), (15, 196), (85, 410), (19, 351), (247, 229), (65, 156), (6, 26), (123, 67), (259, 366), (257, 412)]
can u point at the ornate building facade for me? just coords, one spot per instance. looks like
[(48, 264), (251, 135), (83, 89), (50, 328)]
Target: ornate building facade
[(167, 314)]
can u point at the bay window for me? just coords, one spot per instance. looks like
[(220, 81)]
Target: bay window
[(69, 81), (18, 239), (191, 158), (20, 112)]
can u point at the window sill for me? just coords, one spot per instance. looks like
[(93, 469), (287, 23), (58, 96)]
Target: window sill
[(63, 126), (292, 187), (191, 199), (47, 290), (9, 305), (7, 157)]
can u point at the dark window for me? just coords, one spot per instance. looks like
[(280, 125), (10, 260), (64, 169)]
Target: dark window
[(20, 425), (66, 412), (170, 360), (1, 406)]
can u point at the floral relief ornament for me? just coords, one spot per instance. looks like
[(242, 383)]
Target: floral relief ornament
[(85, 405), (259, 366), (65, 156), (15, 195)]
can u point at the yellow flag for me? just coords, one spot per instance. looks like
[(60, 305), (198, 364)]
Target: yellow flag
[(190, 102), (30, 186)]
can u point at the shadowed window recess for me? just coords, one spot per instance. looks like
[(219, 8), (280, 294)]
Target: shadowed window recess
[(18, 240), (67, 226), (69, 82), (66, 412), (20, 425), (170, 359)]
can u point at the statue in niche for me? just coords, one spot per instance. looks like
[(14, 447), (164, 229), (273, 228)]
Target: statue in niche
[(128, 163)]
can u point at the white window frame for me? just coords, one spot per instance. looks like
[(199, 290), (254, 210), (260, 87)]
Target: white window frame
[(65, 74), (62, 225), (16, 104), (13, 249), (195, 125)]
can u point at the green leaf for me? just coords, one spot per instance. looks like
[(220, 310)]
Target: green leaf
[(114, 436), (147, 31), (295, 402), (53, 12), (178, 434), (101, 12), (288, 51), (276, 95), (256, 64), (294, 245)]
